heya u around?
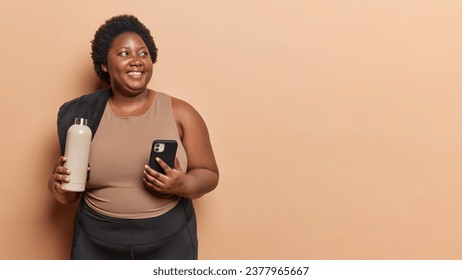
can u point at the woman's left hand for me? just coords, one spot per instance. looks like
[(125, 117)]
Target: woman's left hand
[(172, 182)]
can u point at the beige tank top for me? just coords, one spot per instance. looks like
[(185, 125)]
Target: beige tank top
[(119, 151)]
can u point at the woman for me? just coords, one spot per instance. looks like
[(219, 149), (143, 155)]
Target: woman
[(128, 210)]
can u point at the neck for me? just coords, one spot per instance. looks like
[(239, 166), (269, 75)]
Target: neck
[(134, 105)]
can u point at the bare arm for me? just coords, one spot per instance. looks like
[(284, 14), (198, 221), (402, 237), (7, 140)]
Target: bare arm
[(202, 174)]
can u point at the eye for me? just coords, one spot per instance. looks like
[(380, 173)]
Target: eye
[(143, 53), (123, 53)]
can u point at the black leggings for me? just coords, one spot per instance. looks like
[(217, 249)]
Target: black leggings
[(172, 235)]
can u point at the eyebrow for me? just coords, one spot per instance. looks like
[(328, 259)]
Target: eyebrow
[(128, 48)]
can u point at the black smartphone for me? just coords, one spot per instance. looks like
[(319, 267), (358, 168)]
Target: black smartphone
[(166, 151)]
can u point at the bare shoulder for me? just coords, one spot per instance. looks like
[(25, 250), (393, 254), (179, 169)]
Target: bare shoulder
[(179, 104), (184, 112)]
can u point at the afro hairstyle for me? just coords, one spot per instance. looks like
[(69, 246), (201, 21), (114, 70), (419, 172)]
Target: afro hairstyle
[(105, 35)]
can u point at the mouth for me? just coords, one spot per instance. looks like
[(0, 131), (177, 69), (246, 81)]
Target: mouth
[(135, 74)]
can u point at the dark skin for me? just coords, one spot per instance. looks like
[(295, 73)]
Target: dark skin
[(130, 68)]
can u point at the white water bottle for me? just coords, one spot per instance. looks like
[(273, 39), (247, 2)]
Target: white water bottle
[(77, 153)]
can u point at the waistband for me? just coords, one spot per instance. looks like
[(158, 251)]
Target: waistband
[(135, 231)]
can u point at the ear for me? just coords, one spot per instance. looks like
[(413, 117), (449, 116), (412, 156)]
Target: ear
[(104, 67)]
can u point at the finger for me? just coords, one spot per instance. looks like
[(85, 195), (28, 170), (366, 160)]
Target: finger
[(164, 166), (58, 182), (62, 170), (149, 182), (152, 184), (62, 160), (177, 165), (59, 187), (152, 176), (153, 173), (61, 178)]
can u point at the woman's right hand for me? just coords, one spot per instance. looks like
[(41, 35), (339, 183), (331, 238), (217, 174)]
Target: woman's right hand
[(55, 184)]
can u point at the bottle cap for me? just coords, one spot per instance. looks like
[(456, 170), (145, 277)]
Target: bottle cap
[(81, 121)]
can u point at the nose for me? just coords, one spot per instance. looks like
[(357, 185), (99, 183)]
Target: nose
[(135, 62)]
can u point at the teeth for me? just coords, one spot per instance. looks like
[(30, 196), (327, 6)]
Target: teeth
[(134, 73)]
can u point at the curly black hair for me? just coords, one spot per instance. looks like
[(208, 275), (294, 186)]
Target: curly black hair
[(105, 35)]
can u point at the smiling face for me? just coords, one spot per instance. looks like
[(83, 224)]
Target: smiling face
[(129, 64)]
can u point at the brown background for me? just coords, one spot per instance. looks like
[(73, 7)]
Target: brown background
[(336, 124)]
